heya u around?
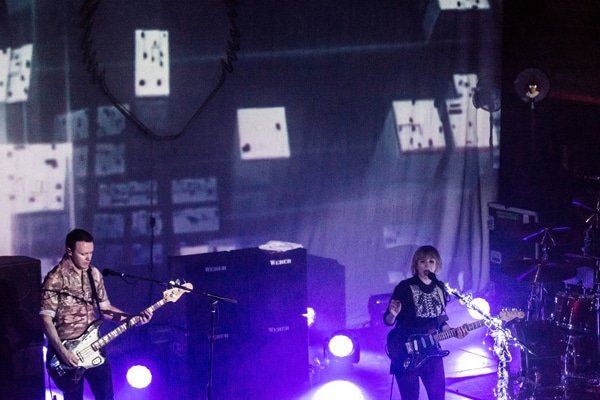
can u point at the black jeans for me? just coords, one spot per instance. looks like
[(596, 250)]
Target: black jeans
[(100, 380), (431, 374)]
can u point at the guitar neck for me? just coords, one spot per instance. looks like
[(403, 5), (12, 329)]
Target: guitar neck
[(450, 333), (110, 336)]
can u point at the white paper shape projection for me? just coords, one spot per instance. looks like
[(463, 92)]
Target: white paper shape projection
[(418, 126), (127, 194), (110, 121), (72, 126), (151, 63), (110, 159), (470, 126), (141, 223), (200, 219), (4, 63), (194, 190), (33, 177), (263, 133), (19, 74), (80, 161), (464, 4)]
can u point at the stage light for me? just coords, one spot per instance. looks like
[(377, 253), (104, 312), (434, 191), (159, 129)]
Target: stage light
[(482, 305), (342, 346), (377, 306), (139, 376), (310, 315), (339, 390)]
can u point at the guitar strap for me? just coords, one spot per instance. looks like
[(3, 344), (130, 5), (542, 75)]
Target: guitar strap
[(442, 296), (443, 316), (94, 292)]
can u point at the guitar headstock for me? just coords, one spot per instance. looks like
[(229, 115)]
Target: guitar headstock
[(509, 315), (172, 295)]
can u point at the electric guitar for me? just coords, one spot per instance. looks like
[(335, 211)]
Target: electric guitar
[(87, 346), (412, 351)]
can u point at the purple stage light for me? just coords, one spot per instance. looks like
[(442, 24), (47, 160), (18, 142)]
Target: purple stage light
[(139, 376), (342, 345), (338, 390), (311, 316)]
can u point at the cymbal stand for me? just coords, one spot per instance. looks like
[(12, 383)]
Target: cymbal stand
[(537, 294), (591, 240), (535, 301), (597, 306), (591, 248)]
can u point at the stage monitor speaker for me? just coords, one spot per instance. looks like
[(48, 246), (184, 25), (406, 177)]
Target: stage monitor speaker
[(261, 342), (21, 335)]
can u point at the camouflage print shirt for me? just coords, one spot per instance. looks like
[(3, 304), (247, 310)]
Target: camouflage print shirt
[(67, 298)]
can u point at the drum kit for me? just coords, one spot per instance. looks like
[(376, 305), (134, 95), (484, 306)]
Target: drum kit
[(560, 336)]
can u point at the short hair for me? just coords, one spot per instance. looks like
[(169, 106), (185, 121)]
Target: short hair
[(424, 252), (77, 235)]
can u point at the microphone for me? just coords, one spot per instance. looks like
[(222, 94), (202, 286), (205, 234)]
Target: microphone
[(435, 280), (110, 272)]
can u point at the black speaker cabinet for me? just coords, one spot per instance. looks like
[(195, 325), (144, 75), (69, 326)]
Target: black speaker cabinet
[(326, 295), (510, 250), (21, 336), (261, 340)]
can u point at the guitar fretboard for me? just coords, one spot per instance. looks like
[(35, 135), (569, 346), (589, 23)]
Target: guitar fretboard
[(450, 333), (110, 336)]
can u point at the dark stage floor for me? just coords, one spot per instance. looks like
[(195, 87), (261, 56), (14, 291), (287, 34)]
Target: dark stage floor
[(471, 367)]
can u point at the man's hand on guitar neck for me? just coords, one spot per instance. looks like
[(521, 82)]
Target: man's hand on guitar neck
[(115, 314), (144, 317)]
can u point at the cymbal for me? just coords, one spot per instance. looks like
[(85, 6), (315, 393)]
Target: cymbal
[(542, 272), (547, 232), (580, 260)]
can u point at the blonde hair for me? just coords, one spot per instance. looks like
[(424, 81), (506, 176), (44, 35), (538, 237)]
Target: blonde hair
[(425, 252)]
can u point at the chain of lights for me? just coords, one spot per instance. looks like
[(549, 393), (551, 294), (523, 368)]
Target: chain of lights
[(502, 337)]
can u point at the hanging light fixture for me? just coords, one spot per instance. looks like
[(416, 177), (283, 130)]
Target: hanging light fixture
[(532, 85)]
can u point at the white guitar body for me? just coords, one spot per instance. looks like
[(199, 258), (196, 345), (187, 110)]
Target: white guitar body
[(87, 346), (84, 349)]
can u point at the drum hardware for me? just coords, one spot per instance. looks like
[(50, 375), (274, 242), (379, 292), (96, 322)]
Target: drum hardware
[(576, 316), (543, 270), (555, 363)]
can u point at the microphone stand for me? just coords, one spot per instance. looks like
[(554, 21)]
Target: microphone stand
[(214, 299), (501, 337), (213, 311)]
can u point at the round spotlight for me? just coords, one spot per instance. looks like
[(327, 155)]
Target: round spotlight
[(139, 376), (482, 305), (342, 345)]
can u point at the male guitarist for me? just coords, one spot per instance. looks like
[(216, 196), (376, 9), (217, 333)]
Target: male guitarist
[(71, 294), (418, 306)]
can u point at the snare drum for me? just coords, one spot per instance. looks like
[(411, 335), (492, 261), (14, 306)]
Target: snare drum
[(574, 311)]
